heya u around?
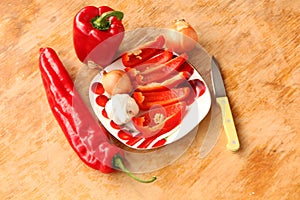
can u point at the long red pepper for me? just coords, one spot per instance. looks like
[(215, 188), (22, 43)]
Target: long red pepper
[(86, 136)]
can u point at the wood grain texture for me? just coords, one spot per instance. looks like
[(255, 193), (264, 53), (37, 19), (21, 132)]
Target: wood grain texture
[(257, 44)]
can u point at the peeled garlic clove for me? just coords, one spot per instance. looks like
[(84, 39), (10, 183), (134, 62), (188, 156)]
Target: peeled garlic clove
[(121, 108)]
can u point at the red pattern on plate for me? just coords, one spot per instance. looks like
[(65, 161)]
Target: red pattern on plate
[(101, 100), (147, 142), (104, 113), (97, 88), (133, 141), (124, 135), (160, 143), (114, 125)]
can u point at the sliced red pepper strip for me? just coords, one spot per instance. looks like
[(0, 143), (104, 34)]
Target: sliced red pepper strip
[(164, 85), (159, 120), (87, 138), (146, 100), (186, 67), (140, 55), (160, 72), (160, 58), (197, 89), (172, 64), (198, 86), (157, 43)]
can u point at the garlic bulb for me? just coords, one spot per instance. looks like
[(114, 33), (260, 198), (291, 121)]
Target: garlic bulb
[(121, 108)]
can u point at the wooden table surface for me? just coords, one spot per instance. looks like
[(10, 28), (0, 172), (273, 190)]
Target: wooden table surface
[(257, 44)]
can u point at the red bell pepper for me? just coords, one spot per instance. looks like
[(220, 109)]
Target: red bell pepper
[(137, 56), (160, 120), (97, 34), (86, 136), (146, 100)]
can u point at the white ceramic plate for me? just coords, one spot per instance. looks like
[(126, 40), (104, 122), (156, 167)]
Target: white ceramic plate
[(129, 136)]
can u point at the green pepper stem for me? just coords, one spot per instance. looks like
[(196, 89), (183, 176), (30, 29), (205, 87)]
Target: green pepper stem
[(118, 163), (102, 23)]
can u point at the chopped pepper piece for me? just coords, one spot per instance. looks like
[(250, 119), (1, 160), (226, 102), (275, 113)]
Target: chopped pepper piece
[(160, 120), (137, 56), (162, 71), (164, 85), (146, 100)]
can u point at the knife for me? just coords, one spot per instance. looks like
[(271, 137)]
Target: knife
[(222, 100)]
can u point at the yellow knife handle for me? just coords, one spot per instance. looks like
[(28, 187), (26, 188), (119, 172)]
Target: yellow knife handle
[(228, 123)]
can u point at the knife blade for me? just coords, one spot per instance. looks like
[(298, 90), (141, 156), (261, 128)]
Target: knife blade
[(222, 100)]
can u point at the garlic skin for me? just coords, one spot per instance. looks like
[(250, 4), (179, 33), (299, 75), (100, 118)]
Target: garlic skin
[(121, 108)]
